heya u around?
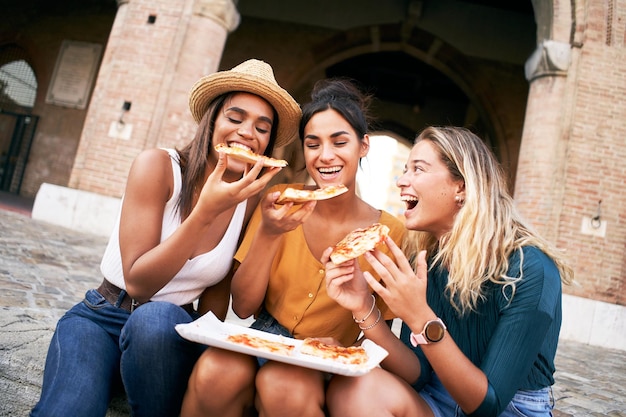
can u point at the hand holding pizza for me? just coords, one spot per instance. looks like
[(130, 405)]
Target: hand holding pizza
[(404, 291), (345, 283), (282, 219), (218, 195)]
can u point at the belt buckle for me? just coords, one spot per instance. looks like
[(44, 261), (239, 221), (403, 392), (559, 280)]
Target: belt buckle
[(133, 304)]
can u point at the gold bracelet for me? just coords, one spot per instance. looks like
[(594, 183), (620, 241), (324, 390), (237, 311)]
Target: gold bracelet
[(374, 324), (368, 314)]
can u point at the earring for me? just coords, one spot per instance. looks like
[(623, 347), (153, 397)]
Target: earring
[(459, 200)]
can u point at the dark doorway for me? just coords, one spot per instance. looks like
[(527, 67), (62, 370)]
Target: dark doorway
[(16, 137)]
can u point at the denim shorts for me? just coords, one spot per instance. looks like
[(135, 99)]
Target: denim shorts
[(265, 322), (537, 403)]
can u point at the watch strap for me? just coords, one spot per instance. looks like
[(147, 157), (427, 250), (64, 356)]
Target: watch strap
[(418, 339)]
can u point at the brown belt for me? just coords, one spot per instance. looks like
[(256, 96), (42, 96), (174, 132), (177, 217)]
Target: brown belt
[(112, 294)]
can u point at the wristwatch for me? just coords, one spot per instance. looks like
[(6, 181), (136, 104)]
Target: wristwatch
[(433, 332)]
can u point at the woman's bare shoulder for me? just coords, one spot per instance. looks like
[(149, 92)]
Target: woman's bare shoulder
[(151, 173), (155, 162), (152, 156)]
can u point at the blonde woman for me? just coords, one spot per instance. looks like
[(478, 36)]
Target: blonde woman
[(478, 291)]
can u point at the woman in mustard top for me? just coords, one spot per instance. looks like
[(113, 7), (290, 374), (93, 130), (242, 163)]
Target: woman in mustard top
[(280, 279)]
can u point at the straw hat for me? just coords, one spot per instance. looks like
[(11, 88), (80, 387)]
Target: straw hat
[(252, 76)]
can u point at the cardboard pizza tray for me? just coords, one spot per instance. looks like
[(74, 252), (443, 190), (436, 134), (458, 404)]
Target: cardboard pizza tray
[(209, 330)]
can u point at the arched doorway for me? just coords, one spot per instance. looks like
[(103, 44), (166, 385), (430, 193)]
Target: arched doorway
[(420, 80), (409, 94), (380, 170)]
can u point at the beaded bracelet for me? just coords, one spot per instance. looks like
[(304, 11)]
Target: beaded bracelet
[(368, 314), (373, 324)]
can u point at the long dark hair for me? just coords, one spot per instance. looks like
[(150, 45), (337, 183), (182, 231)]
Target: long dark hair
[(193, 157)]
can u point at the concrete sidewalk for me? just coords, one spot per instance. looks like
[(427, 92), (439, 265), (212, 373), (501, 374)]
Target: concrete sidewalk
[(45, 269)]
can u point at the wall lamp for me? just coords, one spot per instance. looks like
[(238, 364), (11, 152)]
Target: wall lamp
[(125, 108), (596, 220)]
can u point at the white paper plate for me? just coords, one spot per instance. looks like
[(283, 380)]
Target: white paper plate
[(209, 330)]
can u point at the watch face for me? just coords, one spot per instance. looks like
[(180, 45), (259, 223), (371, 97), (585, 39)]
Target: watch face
[(434, 331)]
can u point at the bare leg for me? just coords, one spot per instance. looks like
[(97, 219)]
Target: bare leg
[(286, 390), (221, 384), (377, 394)]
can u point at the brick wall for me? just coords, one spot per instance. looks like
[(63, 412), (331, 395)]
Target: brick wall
[(596, 154), (573, 151), (138, 61), (157, 50)]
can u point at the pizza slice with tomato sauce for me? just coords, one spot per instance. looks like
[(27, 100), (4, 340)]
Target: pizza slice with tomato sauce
[(294, 195), (351, 355), (246, 155), (261, 344), (359, 241)]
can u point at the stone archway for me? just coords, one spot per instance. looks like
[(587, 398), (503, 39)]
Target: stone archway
[(484, 106)]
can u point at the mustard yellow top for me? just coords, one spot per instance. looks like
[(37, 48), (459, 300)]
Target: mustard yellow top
[(296, 295)]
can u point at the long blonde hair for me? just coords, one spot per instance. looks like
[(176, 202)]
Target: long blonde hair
[(487, 228)]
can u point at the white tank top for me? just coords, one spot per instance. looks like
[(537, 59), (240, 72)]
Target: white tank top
[(196, 274)]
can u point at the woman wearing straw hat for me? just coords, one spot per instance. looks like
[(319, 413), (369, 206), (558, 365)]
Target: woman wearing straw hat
[(180, 222), (281, 279)]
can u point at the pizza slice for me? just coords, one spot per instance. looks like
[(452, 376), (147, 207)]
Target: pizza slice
[(294, 195), (351, 355), (260, 343), (359, 241), (246, 155)]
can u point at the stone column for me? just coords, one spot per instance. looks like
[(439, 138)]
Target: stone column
[(92, 130), (201, 47), (540, 175), (157, 50)]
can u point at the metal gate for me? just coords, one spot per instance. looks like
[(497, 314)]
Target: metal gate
[(16, 137)]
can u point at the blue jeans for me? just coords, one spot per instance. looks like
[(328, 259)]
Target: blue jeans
[(524, 403), (267, 323), (99, 349)]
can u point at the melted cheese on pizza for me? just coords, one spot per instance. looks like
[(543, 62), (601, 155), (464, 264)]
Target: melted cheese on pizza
[(359, 241), (248, 156), (302, 196), (261, 344), (351, 355)]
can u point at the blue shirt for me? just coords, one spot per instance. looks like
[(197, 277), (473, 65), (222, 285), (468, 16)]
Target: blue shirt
[(512, 340)]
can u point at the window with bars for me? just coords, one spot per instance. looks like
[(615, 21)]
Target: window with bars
[(18, 84)]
